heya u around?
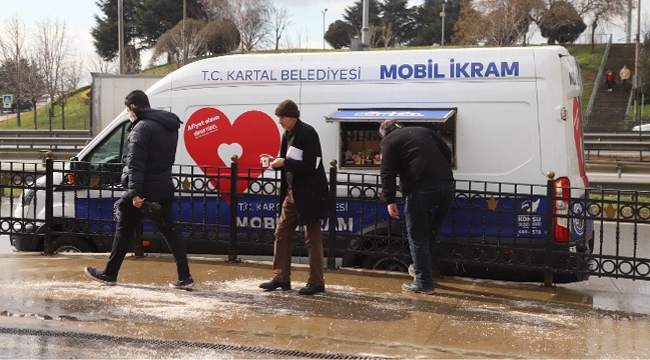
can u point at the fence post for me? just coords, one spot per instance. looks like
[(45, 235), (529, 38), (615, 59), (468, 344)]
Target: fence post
[(49, 202), (232, 245), (331, 257), (550, 234)]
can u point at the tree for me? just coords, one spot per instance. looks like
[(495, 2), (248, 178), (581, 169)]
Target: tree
[(604, 11), (353, 15), (156, 17), (280, 23), (12, 46), (105, 32), (397, 20), (497, 22), (339, 34), (390, 24), (34, 84), (428, 23), (252, 18), (385, 35), (507, 23), (144, 22), (221, 36), (52, 49), (171, 42), (561, 23), (70, 79), (97, 64), (467, 30)]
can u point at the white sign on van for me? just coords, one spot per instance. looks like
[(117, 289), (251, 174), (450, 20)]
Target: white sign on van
[(373, 70)]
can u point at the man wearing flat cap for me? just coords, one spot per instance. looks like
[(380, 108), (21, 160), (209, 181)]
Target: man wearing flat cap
[(303, 195)]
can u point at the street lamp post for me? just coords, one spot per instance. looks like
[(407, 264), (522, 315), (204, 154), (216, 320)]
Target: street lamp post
[(324, 11), (120, 34), (365, 26), (183, 33), (636, 78), (442, 15)]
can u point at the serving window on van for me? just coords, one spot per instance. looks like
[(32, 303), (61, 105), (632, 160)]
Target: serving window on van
[(359, 131)]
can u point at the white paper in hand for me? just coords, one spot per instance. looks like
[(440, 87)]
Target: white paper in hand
[(294, 153)]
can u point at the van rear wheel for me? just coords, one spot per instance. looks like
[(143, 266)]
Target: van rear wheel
[(385, 263), (67, 244)]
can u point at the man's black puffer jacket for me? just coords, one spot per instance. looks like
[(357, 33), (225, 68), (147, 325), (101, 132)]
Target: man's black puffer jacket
[(152, 151)]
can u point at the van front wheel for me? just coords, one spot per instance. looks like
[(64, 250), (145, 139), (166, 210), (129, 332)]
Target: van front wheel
[(67, 244)]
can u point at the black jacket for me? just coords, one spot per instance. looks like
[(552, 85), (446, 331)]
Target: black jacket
[(418, 155), (309, 184), (152, 151)]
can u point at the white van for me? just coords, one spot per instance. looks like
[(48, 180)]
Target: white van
[(510, 115)]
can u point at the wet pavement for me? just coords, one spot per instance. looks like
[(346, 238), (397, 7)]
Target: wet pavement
[(50, 309)]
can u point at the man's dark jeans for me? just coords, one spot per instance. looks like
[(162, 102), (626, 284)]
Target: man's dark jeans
[(128, 218), (425, 211)]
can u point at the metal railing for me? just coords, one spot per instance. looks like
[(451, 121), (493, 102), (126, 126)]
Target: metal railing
[(586, 39), (624, 136), (592, 98), (24, 147), (555, 233), (631, 149)]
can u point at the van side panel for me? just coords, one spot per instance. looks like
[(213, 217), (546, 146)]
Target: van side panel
[(516, 119)]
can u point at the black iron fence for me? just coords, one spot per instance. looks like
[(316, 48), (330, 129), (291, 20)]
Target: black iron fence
[(550, 232)]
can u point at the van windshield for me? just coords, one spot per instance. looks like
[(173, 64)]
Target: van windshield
[(114, 148)]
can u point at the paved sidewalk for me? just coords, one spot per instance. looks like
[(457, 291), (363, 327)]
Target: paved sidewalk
[(50, 302)]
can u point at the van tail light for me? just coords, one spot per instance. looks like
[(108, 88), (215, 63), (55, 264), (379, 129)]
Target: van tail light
[(561, 210)]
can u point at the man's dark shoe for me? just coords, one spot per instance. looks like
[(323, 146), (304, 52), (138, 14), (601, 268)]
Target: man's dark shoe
[(182, 284), (416, 289), (99, 276), (311, 289), (274, 284)]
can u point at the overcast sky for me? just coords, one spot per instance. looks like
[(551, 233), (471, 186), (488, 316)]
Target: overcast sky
[(306, 16)]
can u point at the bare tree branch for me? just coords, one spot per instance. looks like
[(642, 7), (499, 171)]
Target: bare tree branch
[(52, 47), (280, 23), (251, 17), (12, 47)]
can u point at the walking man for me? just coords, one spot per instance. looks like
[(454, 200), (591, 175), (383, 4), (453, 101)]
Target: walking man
[(303, 195), (625, 77), (423, 162), (147, 176)]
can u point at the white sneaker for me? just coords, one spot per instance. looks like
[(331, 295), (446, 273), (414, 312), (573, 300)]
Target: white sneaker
[(412, 270)]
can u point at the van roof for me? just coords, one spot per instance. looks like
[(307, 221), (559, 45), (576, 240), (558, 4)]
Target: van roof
[(362, 66)]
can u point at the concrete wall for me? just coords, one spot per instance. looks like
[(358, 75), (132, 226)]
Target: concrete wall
[(108, 93)]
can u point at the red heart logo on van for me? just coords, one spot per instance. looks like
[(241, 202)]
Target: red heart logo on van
[(211, 140)]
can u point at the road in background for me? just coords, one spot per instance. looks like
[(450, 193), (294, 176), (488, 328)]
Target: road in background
[(4, 116)]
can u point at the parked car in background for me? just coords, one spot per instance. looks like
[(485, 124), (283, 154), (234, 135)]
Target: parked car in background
[(644, 127), (25, 105)]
